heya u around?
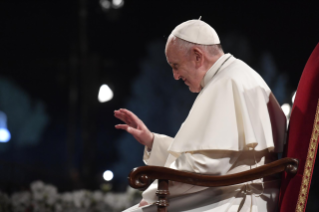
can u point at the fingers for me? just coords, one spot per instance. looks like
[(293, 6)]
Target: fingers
[(131, 116), (121, 126), (128, 117), (123, 117), (131, 130), (139, 132), (128, 112), (120, 116)]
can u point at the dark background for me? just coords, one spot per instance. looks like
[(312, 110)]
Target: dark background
[(54, 59)]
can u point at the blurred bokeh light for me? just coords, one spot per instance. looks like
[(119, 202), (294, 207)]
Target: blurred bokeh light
[(105, 93), (286, 109), (105, 4), (5, 135), (117, 3), (108, 175)]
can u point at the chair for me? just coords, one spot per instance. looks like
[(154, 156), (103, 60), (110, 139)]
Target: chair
[(296, 166)]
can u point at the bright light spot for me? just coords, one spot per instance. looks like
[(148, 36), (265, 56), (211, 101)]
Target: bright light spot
[(4, 135), (105, 93), (108, 175), (286, 109), (105, 4), (4, 132), (117, 3), (293, 97)]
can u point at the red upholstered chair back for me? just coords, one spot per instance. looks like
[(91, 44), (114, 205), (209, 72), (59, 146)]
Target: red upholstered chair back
[(302, 141)]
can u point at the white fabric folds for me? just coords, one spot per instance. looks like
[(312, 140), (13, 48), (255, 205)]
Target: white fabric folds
[(230, 113)]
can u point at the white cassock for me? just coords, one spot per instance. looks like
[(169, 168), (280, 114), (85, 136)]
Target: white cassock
[(235, 124)]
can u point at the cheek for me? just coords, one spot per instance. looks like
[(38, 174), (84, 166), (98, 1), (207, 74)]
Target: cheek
[(188, 71)]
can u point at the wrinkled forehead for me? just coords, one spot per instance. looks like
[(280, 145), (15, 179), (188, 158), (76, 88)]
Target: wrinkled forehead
[(169, 44), (171, 51)]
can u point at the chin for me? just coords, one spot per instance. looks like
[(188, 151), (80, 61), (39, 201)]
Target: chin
[(195, 90)]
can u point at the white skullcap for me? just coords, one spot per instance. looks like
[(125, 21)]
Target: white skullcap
[(196, 31)]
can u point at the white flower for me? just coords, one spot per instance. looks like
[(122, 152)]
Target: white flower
[(130, 191), (82, 198), (134, 195), (78, 197), (37, 186), (51, 194), (58, 207), (67, 197), (21, 198), (45, 198), (87, 202), (117, 201), (4, 202), (97, 196), (38, 196), (109, 198), (123, 201), (50, 190)]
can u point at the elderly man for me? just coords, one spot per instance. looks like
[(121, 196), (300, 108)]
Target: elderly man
[(234, 125)]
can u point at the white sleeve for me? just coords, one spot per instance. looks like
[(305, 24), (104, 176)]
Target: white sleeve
[(204, 162), (158, 155)]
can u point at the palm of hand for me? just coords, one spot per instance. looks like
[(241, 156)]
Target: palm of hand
[(134, 126)]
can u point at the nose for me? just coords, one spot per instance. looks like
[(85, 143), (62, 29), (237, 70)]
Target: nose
[(176, 75)]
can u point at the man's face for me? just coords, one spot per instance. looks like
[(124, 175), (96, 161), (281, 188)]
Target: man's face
[(184, 66)]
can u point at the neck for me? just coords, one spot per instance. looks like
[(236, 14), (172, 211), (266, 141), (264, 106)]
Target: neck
[(211, 61)]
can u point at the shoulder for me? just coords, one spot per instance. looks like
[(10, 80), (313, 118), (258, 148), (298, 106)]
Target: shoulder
[(237, 76), (239, 69), (243, 75)]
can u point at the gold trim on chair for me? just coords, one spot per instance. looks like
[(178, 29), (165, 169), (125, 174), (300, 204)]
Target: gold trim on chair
[(309, 165)]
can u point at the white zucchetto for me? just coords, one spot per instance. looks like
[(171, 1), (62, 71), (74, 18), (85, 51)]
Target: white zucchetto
[(196, 31)]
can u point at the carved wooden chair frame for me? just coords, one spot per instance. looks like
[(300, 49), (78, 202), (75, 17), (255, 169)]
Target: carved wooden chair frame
[(142, 177)]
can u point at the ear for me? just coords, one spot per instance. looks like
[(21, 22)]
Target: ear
[(197, 56)]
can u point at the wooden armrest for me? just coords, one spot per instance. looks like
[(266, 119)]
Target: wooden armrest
[(142, 177)]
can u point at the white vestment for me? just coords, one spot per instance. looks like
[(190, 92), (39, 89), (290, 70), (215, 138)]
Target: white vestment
[(232, 127)]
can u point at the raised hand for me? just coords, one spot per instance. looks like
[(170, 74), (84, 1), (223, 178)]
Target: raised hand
[(134, 126)]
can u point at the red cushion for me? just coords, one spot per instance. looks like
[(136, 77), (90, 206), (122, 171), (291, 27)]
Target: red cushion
[(300, 132)]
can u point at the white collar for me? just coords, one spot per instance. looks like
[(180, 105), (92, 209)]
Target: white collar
[(213, 70)]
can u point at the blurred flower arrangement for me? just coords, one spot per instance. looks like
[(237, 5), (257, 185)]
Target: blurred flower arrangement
[(45, 198)]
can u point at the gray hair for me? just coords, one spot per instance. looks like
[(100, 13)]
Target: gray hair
[(187, 46)]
